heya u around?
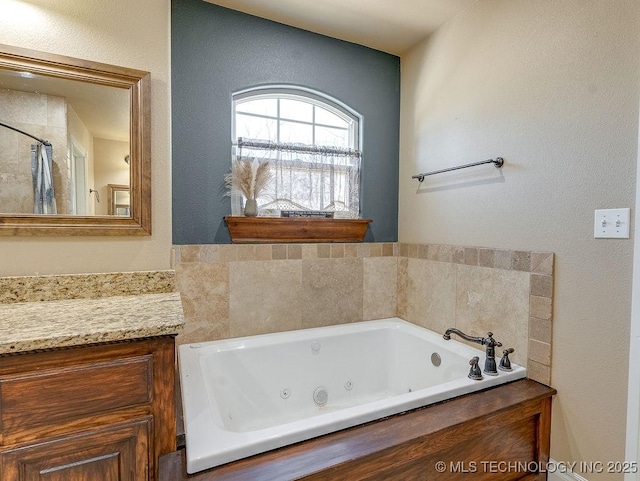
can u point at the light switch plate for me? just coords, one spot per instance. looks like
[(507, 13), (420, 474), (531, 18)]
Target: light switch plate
[(612, 223)]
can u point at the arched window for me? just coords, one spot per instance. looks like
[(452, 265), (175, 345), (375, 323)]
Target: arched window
[(311, 143), (294, 116)]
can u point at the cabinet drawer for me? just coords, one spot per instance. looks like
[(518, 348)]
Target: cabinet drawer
[(117, 453), (57, 396)]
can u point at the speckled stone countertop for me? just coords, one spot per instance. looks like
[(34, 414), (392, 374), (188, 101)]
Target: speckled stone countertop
[(28, 326), (84, 286)]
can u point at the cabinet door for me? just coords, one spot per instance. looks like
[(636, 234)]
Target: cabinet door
[(118, 453)]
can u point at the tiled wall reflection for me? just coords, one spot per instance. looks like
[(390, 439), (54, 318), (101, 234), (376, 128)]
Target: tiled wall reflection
[(44, 116), (238, 290)]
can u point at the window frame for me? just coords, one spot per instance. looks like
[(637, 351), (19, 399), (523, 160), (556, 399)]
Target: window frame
[(304, 94)]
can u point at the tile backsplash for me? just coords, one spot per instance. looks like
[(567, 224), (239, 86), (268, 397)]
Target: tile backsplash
[(478, 290), (241, 289)]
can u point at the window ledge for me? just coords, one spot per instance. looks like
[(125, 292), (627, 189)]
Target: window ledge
[(271, 230)]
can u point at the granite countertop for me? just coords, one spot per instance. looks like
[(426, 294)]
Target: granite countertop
[(28, 326)]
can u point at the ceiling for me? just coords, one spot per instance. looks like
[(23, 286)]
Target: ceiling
[(392, 26), (104, 110)]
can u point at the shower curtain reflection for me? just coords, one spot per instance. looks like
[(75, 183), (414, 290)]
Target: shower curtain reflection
[(44, 201)]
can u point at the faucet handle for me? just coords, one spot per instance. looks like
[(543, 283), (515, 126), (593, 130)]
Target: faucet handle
[(505, 363), (490, 341), (475, 373)]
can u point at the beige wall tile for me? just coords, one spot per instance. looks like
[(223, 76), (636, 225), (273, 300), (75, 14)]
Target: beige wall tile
[(540, 352), (458, 255), (203, 330), (380, 287), (332, 291), (375, 250), (337, 250), (541, 286), (540, 329), (486, 257), (309, 251), (323, 284), (262, 252), (502, 259), (279, 251), (324, 251), (294, 251), (470, 256), (521, 261), (364, 250), (190, 253), (245, 252), (210, 253), (494, 300), (433, 252), (402, 306), (174, 256), (228, 253), (540, 307), (351, 250), (430, 294), (542, 263), (264, 296), (539, 372), (205, 299)]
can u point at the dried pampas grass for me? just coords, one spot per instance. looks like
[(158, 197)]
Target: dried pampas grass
[(250, 177)]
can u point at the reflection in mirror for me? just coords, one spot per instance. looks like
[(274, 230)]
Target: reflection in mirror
[(119, 199), (70, 131), (86, 127)]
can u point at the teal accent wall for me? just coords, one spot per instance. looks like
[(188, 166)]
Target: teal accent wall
[(215, 52)]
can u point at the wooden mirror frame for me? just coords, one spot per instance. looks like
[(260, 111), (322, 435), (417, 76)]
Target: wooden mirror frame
[(138, 83)]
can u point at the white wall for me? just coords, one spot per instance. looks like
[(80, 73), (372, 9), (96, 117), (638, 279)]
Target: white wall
[(551, 86), (132, 34)]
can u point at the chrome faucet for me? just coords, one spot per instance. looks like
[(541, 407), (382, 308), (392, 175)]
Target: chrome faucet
[(489, 342)]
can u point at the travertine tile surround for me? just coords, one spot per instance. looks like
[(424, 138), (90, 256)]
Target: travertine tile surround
[(478, 290), (236, 290)]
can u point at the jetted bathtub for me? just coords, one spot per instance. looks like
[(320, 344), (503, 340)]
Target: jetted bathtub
[(248, 395)]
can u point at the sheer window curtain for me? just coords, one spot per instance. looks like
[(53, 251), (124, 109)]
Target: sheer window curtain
[(305, 177)]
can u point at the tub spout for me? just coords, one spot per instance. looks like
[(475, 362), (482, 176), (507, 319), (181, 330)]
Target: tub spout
[(489, 342), (466, 337)]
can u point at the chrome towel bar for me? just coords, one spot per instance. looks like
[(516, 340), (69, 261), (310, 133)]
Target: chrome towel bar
[(498, 162)]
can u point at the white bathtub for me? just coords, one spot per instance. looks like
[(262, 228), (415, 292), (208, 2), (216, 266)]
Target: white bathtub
[(248, 395)]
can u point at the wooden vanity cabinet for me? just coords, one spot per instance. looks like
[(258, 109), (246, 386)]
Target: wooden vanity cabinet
[(102, 412)]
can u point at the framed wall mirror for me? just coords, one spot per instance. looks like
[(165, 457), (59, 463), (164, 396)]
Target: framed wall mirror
[(119, 199), (74, 139)]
